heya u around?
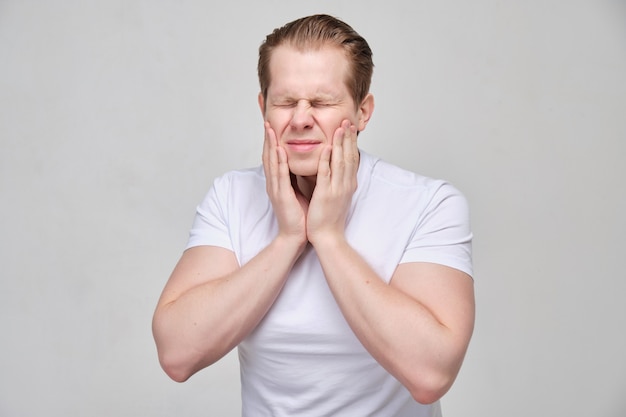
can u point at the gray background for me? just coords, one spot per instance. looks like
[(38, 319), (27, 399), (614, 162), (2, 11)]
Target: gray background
[(115, 116)]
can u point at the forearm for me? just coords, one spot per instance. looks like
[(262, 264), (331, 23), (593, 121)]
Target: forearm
[(401, 333), (199, 326)]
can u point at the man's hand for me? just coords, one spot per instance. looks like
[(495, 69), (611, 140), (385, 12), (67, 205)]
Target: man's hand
[(336, 183), (290, 206)]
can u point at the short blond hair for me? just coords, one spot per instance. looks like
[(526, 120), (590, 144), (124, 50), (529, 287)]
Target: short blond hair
[(314, 32)]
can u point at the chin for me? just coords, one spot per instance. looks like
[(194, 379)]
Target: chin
[(303, 170)]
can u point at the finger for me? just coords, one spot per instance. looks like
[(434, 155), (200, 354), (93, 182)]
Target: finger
[(265, 155), (268, 142), (282, 170), (341, 166), (337, 163), (323, 166), (278, 164), (350, 151), (349, 142), (270, 158)]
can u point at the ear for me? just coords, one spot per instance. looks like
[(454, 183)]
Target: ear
[(365, 111), (262, 104)]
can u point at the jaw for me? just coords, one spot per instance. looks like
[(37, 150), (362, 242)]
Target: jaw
[(305, 175), (303, 164), (303, 168)]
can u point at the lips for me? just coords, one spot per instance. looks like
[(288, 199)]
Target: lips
[(303, 145)]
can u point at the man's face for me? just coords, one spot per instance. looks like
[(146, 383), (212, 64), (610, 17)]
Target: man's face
[(307, 100)]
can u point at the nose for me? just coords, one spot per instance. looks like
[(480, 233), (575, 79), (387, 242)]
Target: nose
[(302, 117)]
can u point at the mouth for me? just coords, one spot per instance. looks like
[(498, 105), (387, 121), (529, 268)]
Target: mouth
[(302, 145)]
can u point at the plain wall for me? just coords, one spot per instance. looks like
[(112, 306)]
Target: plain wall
[(115, 116)]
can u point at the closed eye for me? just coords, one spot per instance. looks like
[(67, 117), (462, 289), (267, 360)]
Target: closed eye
[(285, 104), (322, 104)]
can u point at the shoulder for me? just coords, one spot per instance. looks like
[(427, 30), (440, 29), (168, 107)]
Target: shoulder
[(234, 188), (242, 177), (383, 177)]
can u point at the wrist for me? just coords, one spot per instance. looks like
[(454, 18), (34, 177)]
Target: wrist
[(290, 243), (327, 241)]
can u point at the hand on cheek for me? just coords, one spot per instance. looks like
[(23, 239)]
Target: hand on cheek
[(336, 183), (289, 206)]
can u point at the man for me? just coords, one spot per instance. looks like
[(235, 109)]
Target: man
[(344, 281)]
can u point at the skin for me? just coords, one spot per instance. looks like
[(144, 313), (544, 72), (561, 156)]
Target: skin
[(310, 158)]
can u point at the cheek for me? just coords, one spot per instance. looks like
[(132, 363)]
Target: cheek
[(278, 121), (331, 123)]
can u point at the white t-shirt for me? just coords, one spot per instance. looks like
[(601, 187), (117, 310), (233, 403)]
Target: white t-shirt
[(303, 359)]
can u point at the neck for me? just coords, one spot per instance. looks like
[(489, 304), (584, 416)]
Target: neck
[(306, 185)]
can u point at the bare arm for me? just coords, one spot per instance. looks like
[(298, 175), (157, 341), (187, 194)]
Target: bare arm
[(210, 304), (417, 327)]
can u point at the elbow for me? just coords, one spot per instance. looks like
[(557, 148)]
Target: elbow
[(424, 396), (172, 358), (172, 361), (174, 368), (429, 389), (176, 375), (179, 363), (429, 383), (180, 358)]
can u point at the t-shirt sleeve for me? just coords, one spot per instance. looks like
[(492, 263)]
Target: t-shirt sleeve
[(210, 225), (442, 234)]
